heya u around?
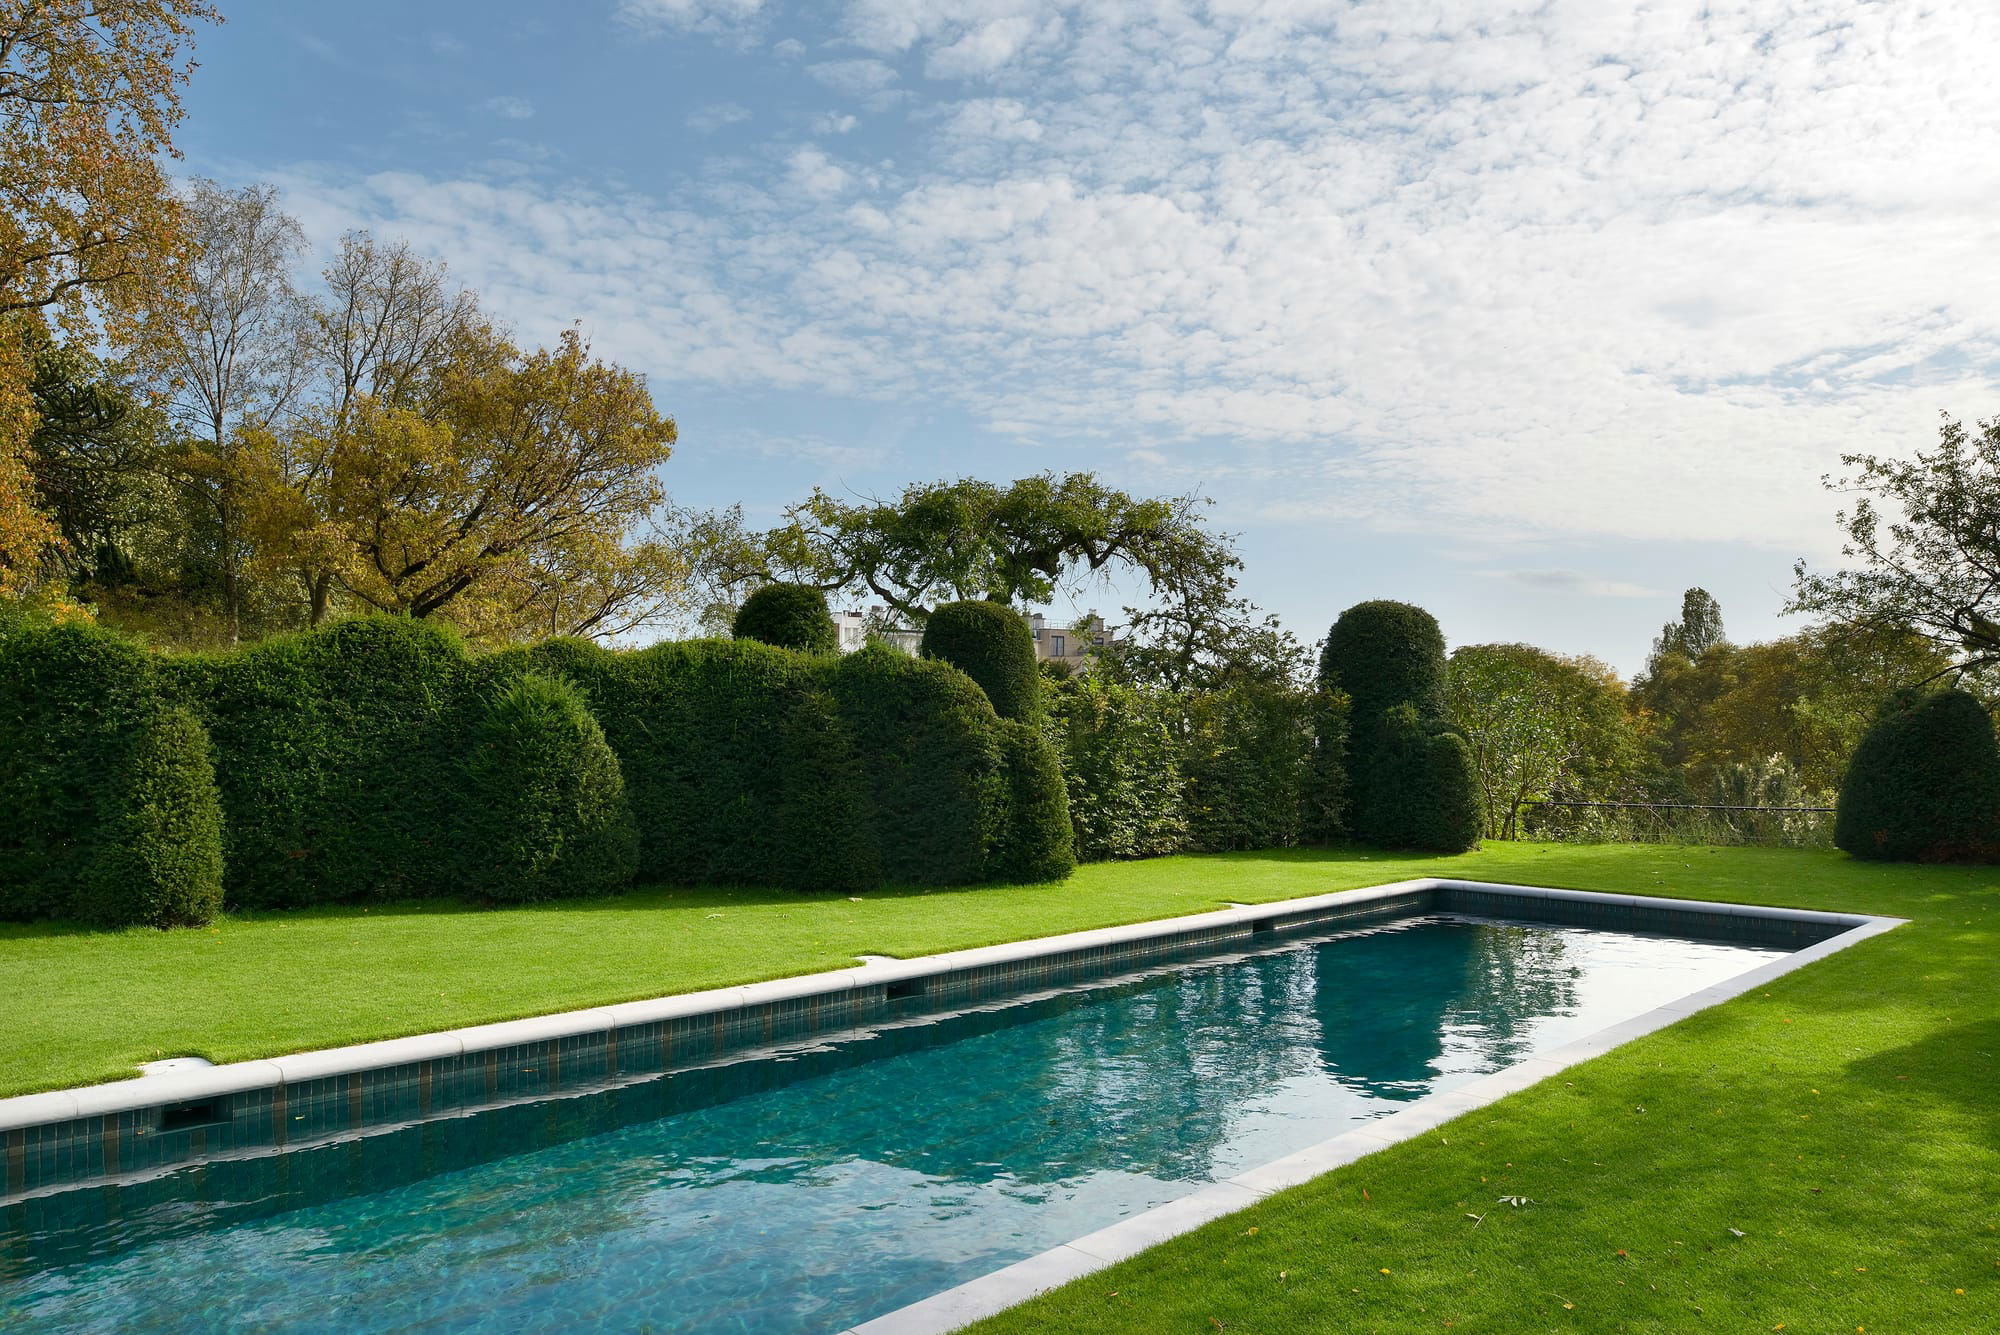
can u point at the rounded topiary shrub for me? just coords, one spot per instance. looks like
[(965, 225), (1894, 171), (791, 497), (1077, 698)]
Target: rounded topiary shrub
[(1383, 654), (159, 845), (1924, 784), (1422, 790), (547, 816), (1036, 841), (990, 643), (107, 797), (791, 616)]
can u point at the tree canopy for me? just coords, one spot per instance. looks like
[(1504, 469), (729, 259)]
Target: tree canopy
[(953, 540), (1925, 533)]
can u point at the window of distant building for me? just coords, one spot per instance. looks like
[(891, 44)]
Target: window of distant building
[(1057, 642)]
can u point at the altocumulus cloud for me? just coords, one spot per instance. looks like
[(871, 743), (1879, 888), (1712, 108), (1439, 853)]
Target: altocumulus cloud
[(1562, 268)]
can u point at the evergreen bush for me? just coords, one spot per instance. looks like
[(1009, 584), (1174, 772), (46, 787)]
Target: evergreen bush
[(158, 859), (107, 797), (990, 643), (1422, 790), (1409, 780), (1036, 842), (1120, 754), (789, 616), (1924, 783), (1382, 654), (546, 815), (1246, 757), (340, 759)]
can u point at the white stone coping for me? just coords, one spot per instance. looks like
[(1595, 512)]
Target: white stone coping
[(1001, 1289), (199, 1084)]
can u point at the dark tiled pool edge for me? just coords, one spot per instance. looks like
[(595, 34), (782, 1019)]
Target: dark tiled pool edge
[(134, 1129), (1823, 934)]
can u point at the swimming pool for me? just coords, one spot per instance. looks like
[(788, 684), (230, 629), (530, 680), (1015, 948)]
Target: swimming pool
[(849, 1174)]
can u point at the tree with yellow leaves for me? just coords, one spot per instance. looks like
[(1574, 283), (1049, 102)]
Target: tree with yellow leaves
[(508, 505), (88, 102)]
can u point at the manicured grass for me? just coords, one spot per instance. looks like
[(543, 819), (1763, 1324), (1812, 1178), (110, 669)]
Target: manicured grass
[(1822, 1156), (1845, 1121)]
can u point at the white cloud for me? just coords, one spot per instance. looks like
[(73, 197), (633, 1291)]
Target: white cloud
[(1562, 268), (834, 122), (509, 108), (709, 119), (856, 78), (817, 174), (706, 16)]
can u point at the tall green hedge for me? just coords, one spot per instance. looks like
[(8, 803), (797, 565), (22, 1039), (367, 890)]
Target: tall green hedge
[(1924, 783), (377, 758), (1407, 786), (1153, 772), (990, 643), (790, 616), (1121, 760), (341, 756), (108, 811), (545, 813)]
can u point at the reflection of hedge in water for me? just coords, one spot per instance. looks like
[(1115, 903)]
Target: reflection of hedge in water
[(1381, 1012)]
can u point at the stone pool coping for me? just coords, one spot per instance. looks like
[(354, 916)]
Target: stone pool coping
[(1014, 1284)]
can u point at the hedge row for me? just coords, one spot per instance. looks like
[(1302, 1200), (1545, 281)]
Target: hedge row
[(378, 759), (108, 807), (1152, 772)]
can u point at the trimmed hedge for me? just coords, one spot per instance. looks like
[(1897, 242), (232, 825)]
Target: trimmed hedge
[(1382, 654), (991, 644), (377, 758), (1246, 758), (546, 815), (789, 616), (340, 755), (1423, 789), (1409, 778), (108, 811), (1924, 783)]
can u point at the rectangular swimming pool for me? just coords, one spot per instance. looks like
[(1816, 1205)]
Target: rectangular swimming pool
[(814, 1187)]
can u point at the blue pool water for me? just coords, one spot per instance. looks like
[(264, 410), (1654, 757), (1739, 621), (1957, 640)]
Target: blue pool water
[(845, 1179)]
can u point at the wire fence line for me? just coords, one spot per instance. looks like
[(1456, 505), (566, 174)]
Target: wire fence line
[(1677, 823)]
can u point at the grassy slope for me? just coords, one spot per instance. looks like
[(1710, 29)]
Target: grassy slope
[(1846, 1121)]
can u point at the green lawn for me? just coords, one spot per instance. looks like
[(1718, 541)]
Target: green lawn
[(1846, 1121)]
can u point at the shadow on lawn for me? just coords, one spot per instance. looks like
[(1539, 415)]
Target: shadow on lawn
[(1954, 1065)]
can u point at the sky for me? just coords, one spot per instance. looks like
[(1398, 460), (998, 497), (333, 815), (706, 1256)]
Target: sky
[(1534, 314)]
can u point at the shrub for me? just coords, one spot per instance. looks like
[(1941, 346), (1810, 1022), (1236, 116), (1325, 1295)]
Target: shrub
[(159, 847), (107, 808), (789, 616), (1408, 777), (1924, 784), (1325, 796), (1120, 755), (928, 747), (545, 802), (1422, 791), (989, 643), (1036, 842), (1383, 654), (340, 759), (1245, 755)]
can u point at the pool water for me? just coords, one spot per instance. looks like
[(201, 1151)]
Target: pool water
[(842, 1180)]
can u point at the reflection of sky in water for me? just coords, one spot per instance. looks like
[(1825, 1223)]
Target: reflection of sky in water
[(808, 1194)]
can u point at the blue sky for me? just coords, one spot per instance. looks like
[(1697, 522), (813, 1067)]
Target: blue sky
[(1534, 314)]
